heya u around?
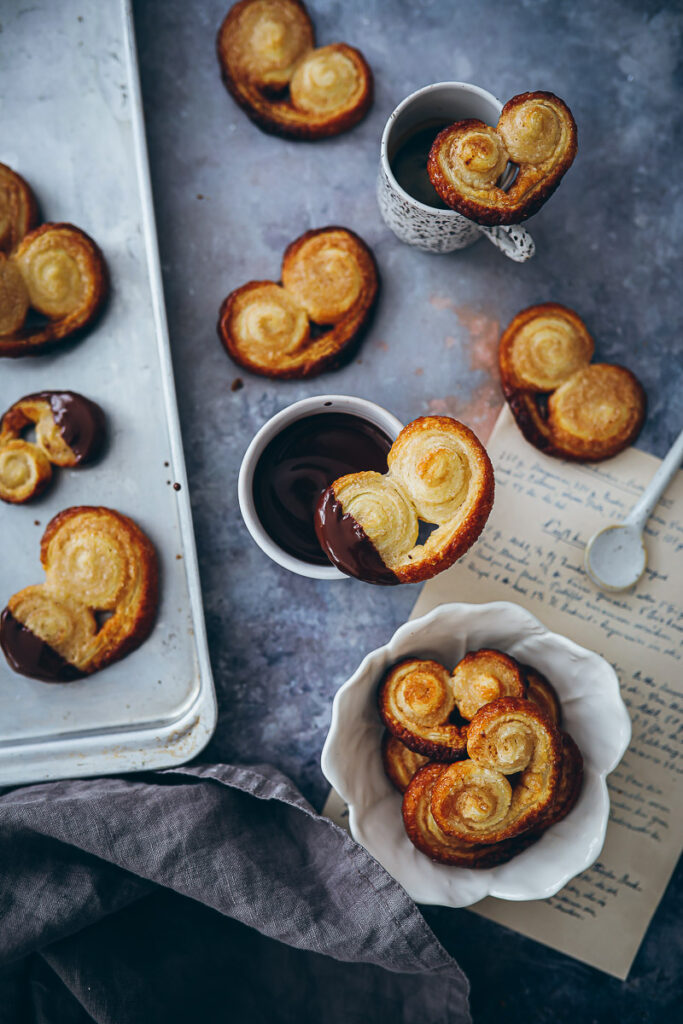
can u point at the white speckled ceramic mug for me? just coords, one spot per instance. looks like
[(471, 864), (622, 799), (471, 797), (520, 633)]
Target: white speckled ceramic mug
[(429, 227), (360, 407)]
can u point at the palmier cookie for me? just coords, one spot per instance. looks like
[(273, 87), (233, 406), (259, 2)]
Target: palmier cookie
[(541, 691), (400, 762), (286, 86), (57, 271), (309, 322), (418, 699), (95, 561), (70, 430), (565, 405), (474, 801), (368, 523), (424, 833), (18, 209), (536, 133)]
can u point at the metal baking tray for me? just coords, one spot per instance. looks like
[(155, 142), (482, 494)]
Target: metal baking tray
[(73, 127)]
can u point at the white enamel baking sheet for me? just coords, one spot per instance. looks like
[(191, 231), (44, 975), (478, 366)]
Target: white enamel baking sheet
[(72, 125)]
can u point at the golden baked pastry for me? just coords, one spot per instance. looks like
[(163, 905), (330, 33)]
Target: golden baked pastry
[(474, 801), (95, 561), (69, 432), (368, 523), (271, 69), (536, 133), (424, 833), (416, 702), (542, 692), (18, 208), (400, 762), (59, 272), (310, 321), (565, 405), (483, 676)]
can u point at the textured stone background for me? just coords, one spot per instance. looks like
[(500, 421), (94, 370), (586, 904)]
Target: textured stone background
[(228, 201)]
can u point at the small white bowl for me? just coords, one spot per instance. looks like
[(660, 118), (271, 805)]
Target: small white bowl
[(592, 711), (360, 407)]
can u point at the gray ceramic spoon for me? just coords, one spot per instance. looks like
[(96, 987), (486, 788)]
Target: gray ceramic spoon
[(615, 557)]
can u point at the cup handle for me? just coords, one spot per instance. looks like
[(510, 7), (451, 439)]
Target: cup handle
[(512, 240)]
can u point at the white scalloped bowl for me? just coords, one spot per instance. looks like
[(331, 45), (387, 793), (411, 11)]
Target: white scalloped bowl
[(593, 712)]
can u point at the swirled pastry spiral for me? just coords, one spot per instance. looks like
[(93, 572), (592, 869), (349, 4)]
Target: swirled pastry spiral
[(95, 560), (330, 281), (69, 432), (271, 69), (416, 701), (483, 676), (62, 276), (474, 800), (18, 208), (565, 405), (424, 833), (400, 762), (536, 132), (439, 472)]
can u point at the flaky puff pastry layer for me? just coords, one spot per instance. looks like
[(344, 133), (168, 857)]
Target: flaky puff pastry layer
[(95, 560), (58, 271), (18, 208), (565, 405), (58, 417), (483, 676), (439, 473), (416, 702), (271, 69), (309, 322), (400, 762), (474, 800), (536, 133)]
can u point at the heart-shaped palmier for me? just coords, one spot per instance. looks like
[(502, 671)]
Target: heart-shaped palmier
[(439, 473), (70, 430), (309, 322), (565, 405), (98, 601), (536, 133), (474, 800), (286, 86)]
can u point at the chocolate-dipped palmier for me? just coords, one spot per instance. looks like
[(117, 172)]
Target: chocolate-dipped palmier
[(70, 431)]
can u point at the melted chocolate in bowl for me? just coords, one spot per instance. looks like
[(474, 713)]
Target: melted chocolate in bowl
[(296, 466)]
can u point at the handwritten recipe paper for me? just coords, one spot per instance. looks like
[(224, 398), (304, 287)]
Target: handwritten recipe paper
[(531, 552)]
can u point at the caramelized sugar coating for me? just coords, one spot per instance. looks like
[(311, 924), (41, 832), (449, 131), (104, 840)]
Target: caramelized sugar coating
[(565, 405), (70, 431), (536, 132), (271, 69), (400, 762), (424, 832), (474, 800), (486, 675), (58, 271), (95, 560), (542, 692), (439, 473), (330, 280), (416, 701), (18, 208)]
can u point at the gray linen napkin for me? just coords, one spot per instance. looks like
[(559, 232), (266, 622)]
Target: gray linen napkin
[(209, 893)]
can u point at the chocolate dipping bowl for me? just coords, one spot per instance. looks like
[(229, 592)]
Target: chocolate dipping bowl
[(373, 414)]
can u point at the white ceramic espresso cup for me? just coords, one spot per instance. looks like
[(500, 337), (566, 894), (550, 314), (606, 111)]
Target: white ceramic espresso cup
[(427, 227), (375, 414)]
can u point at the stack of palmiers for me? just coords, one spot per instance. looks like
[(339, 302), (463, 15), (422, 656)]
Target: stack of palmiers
[(479, 756)]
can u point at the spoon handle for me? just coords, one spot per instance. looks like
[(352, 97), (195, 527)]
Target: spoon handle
[(643, 509)]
